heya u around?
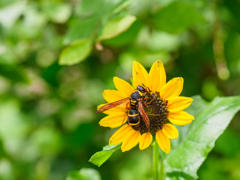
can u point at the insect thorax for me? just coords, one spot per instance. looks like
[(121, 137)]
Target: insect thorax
[(135, 96)]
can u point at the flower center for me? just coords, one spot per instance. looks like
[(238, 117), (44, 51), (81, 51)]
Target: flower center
[(157, 112)]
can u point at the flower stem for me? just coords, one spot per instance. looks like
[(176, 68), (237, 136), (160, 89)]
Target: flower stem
[(162, 171), (155, 161), (156, 169)]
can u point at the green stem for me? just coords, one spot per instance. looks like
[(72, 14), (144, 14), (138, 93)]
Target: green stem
[(155, 161), (162, 173)]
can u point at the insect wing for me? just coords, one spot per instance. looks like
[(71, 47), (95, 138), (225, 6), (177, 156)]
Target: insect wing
[(143, 114), (111, 105)]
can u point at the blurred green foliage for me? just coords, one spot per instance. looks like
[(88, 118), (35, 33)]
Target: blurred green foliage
[(48, 125)]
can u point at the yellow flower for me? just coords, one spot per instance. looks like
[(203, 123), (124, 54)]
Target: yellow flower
[(168, 104)]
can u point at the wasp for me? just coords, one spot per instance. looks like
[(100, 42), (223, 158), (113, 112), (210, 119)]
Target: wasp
[(136, 106)]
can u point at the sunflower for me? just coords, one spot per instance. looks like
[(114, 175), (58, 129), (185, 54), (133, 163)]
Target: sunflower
[(164, 107)]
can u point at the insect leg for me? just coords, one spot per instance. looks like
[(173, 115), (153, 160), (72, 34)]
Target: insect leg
[(151, 101)]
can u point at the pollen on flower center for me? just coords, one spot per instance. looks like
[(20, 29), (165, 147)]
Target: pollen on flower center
[(157, 112)]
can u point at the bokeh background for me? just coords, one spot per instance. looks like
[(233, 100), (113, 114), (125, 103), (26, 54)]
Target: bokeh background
[(48, 121)]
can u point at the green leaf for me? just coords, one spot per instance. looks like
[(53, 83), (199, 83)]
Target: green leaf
[(90, 15), (100, 9), (177, 17), (58, 12), (84, 174), (196, 107), (116, 27), (76, 52), (210, 122), (80, 29), (126, 37), (100, 157)]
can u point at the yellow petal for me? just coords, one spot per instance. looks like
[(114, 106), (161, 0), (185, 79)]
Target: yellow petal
[(170, 131), (179, 104), (172, 89), (123, 87), (180, 122), (112, 95), (100, 106), (180, 118), (131, 140), (157, 76), (145, 141), (114, 120), (120, 134), (140, 75), (116, 110), (163, 141)]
